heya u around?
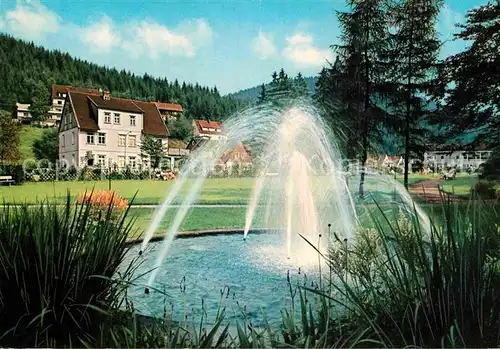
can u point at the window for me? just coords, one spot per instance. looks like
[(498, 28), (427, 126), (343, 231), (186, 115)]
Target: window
[(131, 141), (101, 160), (90, 138), (107, 118), (132, 120), (59, 102), (131, 161), (117, 118), (121, 161), (73, 137), (101, 138), (121, 140), (25, 113)]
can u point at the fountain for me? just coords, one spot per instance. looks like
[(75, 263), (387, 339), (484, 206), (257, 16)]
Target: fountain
[(303, 189)]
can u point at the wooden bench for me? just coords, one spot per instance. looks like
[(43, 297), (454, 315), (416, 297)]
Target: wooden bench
[(6, 179)]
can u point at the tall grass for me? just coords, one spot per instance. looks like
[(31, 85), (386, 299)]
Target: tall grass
[(405, 287), (56, 272)]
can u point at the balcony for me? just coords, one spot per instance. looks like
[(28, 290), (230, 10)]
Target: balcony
[(177, 152)]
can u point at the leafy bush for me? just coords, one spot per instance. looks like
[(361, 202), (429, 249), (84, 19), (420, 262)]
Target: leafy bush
[(485, 189), (56, 266), (490, 170)]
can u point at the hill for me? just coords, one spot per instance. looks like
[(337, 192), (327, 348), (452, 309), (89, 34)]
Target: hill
[(252, 93), (27, 70)]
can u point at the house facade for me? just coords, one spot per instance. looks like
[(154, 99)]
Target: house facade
[(98, 130), (169, 111), (461, 159), (213, 130), (22, 113), (58, 98)]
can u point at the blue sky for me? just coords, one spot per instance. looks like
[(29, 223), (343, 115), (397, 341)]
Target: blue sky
[(231, 44)]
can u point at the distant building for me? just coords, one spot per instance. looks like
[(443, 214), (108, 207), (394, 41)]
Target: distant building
[(237, 156), (213, 130), (169, 111), (98, 130), (463, 159), (22, 113)]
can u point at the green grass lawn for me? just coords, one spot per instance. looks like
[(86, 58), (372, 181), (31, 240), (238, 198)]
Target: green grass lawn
[(461, 185), (27, 136), (214, 191)]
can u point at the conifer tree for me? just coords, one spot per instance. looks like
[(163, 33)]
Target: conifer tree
[(413, 56)]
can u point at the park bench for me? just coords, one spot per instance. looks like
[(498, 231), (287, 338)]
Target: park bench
[(450, 175), (6, 179)]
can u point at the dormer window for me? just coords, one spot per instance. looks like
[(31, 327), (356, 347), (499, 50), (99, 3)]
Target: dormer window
[(117, 119), (107, 117)]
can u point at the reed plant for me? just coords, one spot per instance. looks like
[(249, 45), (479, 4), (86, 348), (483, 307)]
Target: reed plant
[(58, 269)]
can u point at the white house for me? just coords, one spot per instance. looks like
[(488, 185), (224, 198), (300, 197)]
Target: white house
[(22, 113), (461, 159), (208, 129), (100, 130)]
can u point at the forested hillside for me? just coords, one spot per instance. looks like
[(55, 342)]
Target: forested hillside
[(252, 94), (27, 70)]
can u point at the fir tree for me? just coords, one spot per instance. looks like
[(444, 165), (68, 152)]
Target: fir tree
[(413, 56)]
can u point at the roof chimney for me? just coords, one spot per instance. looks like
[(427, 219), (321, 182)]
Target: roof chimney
[(105, 95)]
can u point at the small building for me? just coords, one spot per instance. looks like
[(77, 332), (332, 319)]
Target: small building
[(58, 98), (213, 130), (22, 113), (169, 111), (461, 159), (237, 156)]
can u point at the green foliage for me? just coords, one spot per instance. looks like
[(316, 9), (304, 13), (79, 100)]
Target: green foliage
[(47, 147), (154, 148), (469, 81), (56, 266), (491, 168), (9, 139), (180, 128), (413, 60), (485, 189), (39, 106), (46, 67), (16, 171)]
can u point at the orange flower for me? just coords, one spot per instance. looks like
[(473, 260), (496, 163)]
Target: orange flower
[(102, 199)]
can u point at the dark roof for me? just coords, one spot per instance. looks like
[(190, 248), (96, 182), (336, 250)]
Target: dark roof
[(66, 88), (119, 104), (82, 103), (153, 123), (83, 110)]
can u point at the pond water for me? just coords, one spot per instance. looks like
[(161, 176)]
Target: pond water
[(252, 274)]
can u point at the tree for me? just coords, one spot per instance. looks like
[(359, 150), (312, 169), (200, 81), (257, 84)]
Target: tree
[(153, 148), (9, 139), (414, 60), (181, 128), (362, 69), (300, 87), (281, 88), (47, 146), (263, 95), (469, 92), (39, 107)]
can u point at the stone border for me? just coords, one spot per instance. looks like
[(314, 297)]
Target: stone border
[(199, 233)]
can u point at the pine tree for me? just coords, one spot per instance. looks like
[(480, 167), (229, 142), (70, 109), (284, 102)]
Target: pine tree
[(414, 60), (363, 63), (262, 96), (299, 87), (472, 102)]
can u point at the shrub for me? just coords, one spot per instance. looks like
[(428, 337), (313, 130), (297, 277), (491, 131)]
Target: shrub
[(56, 266), (485, 189), (490, 170)]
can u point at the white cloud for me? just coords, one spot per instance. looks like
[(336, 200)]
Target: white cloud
[(148, 37), (301, 51), (263, 46), (101, 36), (31, 20)]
